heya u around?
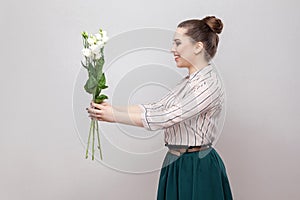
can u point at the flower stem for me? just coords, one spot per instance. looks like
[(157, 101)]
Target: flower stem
[(88, 144), (93, 145), (99, 144)]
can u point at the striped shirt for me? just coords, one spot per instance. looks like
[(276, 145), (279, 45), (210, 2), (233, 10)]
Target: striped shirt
[(189, 113)]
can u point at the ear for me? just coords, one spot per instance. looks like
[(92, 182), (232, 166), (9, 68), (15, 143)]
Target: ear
[(198, 47)]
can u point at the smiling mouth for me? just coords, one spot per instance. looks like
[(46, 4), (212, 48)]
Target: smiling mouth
[(176, 57)]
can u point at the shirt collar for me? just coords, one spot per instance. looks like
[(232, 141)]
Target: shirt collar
[(200, 71)]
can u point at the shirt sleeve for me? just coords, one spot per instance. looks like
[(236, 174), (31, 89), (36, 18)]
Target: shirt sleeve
[(199, 99), (154, 106)]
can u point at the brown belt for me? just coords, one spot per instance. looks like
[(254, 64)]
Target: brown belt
[(180, 151)]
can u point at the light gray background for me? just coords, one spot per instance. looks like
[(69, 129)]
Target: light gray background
[(41, 154)]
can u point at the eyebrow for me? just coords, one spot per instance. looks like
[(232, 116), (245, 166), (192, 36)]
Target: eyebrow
[(176, 39)]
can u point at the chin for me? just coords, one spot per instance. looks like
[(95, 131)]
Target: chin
[(181, 65)]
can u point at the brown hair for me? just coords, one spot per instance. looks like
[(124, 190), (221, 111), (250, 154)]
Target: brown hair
[(205, 31)]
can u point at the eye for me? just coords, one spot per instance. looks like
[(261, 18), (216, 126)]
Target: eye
[(177, 43)]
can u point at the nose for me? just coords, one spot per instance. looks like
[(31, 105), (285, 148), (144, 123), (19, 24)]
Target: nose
[(173, 49)]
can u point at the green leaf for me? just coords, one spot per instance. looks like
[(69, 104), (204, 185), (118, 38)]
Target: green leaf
[(99, 67), (92, 71), (91, 85), (102, 82), (100, 98), (97, 92)]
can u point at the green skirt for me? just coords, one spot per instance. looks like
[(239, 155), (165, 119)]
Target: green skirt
[(199, 175)]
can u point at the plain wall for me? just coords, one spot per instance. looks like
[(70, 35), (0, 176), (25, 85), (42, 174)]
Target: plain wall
[(42, 156)]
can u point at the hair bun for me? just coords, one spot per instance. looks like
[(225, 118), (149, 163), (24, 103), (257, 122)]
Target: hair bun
[(214, 24)]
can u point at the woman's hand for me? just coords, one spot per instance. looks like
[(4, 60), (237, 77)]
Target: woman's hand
[(102, 112), (105, 112)]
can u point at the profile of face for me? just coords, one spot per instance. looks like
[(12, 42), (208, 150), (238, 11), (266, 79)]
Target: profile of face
[(185, 51)]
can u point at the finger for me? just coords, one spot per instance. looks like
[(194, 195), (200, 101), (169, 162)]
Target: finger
[(94, 105), (93, 117), (104, 103), (94, 112), (99, 106), (90, 110)]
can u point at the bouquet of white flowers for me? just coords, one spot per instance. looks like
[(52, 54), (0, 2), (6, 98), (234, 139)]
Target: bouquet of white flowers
[(94, 61)]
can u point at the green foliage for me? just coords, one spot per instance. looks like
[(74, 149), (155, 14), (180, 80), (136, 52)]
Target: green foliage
[(96, 81), (100, 98), (98, 67), (92, 70), (91, 85), (102, 82), (84, 34)]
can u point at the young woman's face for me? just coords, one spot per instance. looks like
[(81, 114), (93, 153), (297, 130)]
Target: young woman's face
[(183, 49)]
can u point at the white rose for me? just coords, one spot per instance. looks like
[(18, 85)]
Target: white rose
[(104, 37), (86, 52), (98, 36), (98, 56), (91, 40), (100, 43), (95, 48)]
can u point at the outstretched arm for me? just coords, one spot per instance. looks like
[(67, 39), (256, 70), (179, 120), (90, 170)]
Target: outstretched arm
[(130, 115)]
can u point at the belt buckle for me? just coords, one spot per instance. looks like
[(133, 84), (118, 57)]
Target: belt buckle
[(174, 152)]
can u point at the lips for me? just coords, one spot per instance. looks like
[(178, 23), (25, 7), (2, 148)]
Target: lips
[(176, 57)]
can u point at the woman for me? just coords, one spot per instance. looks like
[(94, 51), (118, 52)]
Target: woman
[(192, 169)]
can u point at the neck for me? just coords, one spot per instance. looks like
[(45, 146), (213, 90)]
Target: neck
[(197, 67)]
